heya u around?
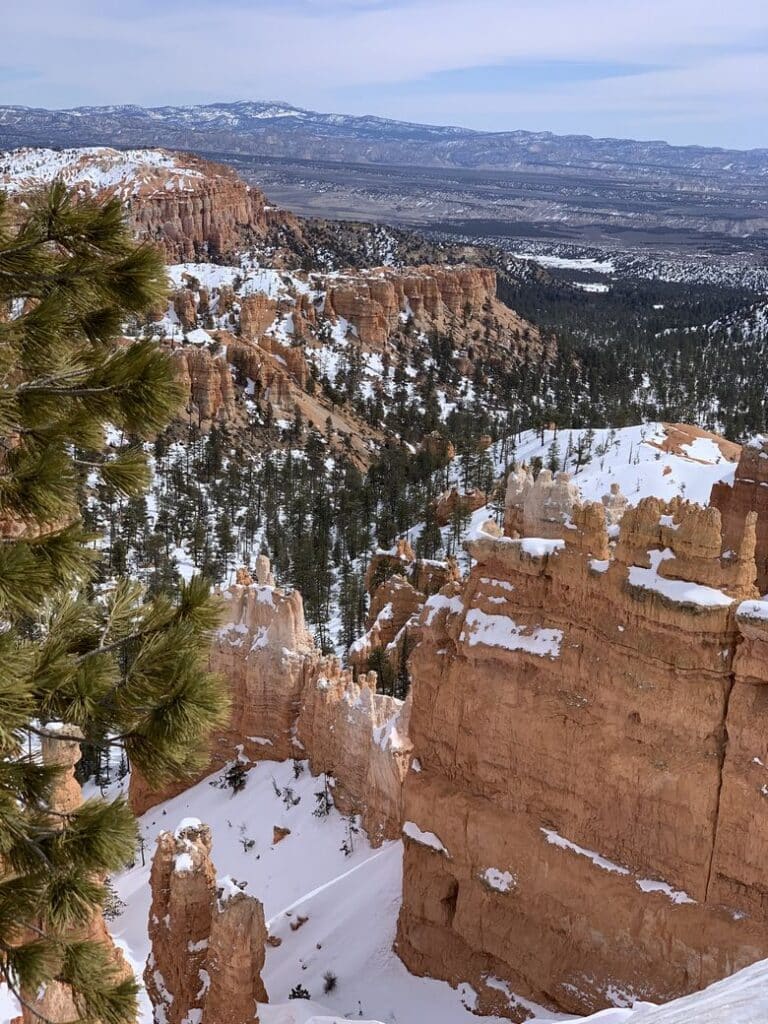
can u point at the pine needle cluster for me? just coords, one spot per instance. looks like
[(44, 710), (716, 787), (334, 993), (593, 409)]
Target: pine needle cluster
[(101, 661)]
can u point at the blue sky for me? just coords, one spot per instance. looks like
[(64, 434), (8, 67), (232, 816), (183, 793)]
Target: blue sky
[(689, 71)]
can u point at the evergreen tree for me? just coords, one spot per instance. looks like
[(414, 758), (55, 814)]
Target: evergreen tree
[(113, 667)]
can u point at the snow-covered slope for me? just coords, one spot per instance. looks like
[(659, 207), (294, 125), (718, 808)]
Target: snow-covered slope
[(636, 459), (351, 902)]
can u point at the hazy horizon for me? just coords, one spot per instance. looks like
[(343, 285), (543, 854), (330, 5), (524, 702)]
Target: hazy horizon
[(686, 72)]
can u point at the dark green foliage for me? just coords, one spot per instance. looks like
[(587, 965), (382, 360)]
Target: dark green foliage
[(126, 673)]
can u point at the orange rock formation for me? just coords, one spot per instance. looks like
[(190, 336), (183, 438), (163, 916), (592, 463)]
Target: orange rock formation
[(749, 493), (588, 810), (208, 937), (289, 701)]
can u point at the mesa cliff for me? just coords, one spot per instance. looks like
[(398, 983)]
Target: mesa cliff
[(583, 820)]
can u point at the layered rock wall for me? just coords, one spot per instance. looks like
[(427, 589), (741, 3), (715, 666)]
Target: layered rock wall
[(461, 298), (189, 206), (585, 820)]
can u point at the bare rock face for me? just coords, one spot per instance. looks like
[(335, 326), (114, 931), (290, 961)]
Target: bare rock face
[(589, 726), (539, 507), (288, 701), (207, 937), (395, 608), (427, 575), (438, 447), (377, 301), (208, 380), (456, 502), (360, 739), (749, 493), (257, 312)]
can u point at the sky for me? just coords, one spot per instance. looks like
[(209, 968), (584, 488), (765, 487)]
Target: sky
[(688, 71)]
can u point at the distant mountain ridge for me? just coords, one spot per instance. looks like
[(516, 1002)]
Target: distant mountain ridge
[(280, 130)]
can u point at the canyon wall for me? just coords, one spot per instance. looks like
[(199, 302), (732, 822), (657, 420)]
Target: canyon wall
[(289, 701), (460, 299), (749, 493), (214, 213), (585, 813)]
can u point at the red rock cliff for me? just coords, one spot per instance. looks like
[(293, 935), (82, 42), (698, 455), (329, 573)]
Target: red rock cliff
[(289, 701), (190, 206), (589, 729), (748, 493)]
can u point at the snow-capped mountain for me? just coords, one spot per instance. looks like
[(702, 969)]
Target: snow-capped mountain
[(279, 129)]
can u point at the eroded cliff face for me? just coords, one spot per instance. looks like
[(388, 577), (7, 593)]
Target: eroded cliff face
[(191, 207), (463, 298), (288, 701), (588, 801), (208, 936), (749, 493)]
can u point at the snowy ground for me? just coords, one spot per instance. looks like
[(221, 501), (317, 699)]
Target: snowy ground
[(631, 458), (351, 902)]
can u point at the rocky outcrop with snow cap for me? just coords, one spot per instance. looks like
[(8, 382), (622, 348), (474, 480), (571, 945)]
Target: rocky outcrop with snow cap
[(208, 936), (589, 728)]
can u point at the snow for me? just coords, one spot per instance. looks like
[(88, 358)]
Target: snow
[(591, 286), (351, 903), (503, 631), (651, 885), (438, 602), (679, 591), (568, 263), (502, 881), (632, 457), (198, 337), (184, 824), (413, 832), (183, 864), (539, 547), (753, 610), (740, 999), (97, 167), (555, 839)]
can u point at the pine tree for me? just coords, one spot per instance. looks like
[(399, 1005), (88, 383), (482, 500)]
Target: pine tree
[(111, 666)]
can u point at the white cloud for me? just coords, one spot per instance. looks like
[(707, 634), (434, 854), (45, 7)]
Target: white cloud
[(317, 52)]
